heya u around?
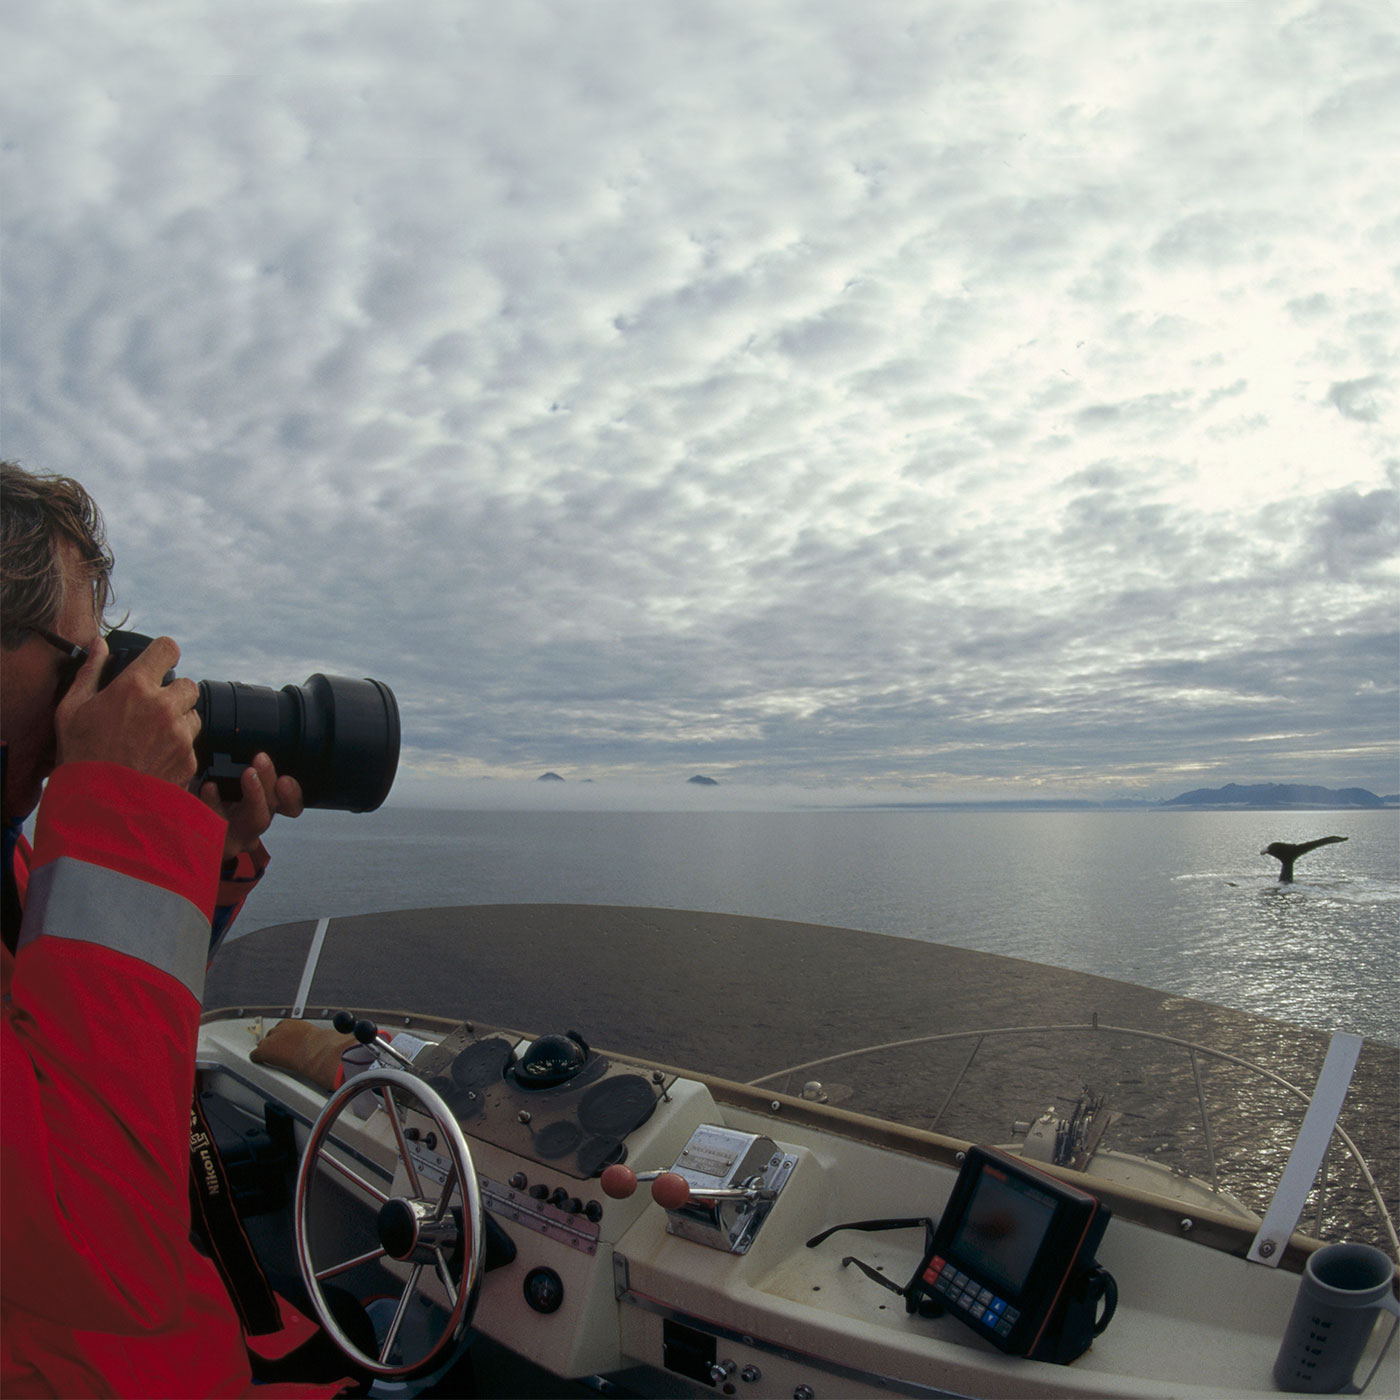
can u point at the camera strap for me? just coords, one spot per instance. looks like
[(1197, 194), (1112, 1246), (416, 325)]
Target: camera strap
[(212, 1208)]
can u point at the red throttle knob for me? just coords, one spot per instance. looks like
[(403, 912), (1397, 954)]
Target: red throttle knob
[(618, 1181), (670, 1190)]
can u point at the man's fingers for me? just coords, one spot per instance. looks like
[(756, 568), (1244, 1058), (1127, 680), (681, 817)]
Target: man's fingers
[(259, 790), (184, 697), (282, 793), (84, 685), (290, 802), (158, 658), (266, 775)]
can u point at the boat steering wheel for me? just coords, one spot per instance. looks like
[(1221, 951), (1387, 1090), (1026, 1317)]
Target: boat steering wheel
[(419, 1228)]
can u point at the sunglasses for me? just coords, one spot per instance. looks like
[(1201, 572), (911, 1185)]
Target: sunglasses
[(74, 656)]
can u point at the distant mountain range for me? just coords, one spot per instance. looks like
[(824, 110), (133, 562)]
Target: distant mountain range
[(1276, 795), (1242, 796)]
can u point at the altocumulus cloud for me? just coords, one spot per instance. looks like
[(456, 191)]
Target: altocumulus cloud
[(983, 400)]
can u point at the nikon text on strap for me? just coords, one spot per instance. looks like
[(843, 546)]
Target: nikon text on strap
[(212, 1207)]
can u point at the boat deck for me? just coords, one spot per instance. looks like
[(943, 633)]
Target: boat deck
[(743, 998)]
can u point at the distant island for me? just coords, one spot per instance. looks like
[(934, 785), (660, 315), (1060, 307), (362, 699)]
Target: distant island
[(1276, 795), (703, 781), (549, 778)]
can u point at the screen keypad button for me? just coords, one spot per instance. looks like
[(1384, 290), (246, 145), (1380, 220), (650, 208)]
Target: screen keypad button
[(960, 1291)]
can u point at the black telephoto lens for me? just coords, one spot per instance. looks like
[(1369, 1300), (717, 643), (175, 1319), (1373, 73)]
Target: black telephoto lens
[(338, 737)]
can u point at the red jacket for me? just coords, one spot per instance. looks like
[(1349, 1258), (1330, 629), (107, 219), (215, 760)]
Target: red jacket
[(103, 1293)]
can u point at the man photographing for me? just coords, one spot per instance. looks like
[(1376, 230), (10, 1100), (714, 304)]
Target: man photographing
[(56, 574), (109, 922)]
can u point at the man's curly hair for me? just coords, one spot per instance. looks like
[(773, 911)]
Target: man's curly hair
[(36, 514)]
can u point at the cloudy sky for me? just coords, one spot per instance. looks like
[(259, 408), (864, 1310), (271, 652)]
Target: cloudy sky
[(973, 399)]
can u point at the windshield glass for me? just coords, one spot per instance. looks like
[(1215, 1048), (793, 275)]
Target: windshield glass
[(971, 1045)]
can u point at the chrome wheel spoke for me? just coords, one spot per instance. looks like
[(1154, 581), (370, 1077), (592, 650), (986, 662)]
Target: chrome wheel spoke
[(445, 1276), (352, 1176), (448, 1187), (414, 1185), (392, 1335), (351, 1264)]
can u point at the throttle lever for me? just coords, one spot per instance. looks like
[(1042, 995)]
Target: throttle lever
[(671, 1190), (367, 1033)]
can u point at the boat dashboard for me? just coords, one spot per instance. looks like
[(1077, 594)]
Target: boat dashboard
[(734, 1274)]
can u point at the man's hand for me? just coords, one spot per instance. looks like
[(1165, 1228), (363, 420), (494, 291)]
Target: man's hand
[(136, 721), (264, 795)]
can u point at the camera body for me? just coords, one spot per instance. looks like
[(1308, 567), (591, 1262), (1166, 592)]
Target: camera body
[(338, 737)]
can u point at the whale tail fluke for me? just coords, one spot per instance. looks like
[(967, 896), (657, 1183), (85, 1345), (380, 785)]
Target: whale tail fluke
[(1286, 852)]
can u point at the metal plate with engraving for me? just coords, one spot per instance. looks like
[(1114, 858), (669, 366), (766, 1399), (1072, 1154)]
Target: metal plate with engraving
[(718, 1158)]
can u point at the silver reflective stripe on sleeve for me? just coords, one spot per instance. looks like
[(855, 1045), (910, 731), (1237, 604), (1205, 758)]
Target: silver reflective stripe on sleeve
[(70, 898)]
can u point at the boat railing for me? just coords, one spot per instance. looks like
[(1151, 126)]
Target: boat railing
[(1194, 1049)]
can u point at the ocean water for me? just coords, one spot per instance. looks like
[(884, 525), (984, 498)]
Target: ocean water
[(1181, 902)]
